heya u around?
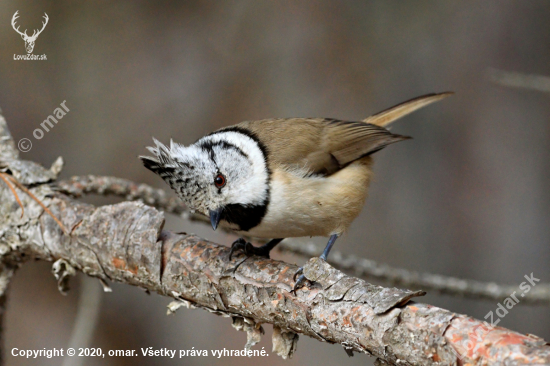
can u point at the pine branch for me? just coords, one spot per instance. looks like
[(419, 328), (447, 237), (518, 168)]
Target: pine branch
[(360, 267)]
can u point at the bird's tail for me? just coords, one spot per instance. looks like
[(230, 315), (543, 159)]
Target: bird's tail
[(389, 115)]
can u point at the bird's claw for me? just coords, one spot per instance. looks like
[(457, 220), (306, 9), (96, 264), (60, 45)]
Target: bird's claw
[(248, 249), (299, 283), (239, 244)]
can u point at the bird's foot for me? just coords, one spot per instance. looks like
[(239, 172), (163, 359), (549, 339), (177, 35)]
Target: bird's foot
[(299, 283), (248, 249)]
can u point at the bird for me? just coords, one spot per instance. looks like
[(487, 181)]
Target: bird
[(281, 178)]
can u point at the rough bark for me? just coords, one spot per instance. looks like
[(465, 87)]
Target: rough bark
[(363, 268), (126, 243)]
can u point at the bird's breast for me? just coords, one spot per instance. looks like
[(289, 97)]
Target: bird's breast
[(313, 205)]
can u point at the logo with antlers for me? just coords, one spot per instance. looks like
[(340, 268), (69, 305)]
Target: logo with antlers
[(29, 40)]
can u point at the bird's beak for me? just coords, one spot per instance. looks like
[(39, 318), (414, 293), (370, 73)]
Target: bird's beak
[(215, 217)]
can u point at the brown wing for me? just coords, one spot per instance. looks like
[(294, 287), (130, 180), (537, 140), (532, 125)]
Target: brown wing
[(324, 146), (349, 141), (319, 145)]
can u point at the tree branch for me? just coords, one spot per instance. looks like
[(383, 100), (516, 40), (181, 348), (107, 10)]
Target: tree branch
[(519, 80), (360, 267), (125, 243), (87, 316)]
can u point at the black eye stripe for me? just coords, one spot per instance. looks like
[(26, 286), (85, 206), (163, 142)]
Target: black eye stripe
[(208, 146)]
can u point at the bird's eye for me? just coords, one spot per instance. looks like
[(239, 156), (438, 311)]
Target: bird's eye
[(219, 181)]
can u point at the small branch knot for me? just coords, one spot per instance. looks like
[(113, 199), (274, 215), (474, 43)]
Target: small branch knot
[(284, 342), (63, 271), (253, 330)]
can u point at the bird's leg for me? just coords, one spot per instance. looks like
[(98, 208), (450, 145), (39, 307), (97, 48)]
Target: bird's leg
[(329, 246), (302, 279), (249, 249)]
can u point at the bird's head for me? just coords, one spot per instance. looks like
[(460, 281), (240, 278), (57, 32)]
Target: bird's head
[(219, 176)]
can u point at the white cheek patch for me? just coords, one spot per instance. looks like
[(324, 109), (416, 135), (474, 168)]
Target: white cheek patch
[(252, 179)]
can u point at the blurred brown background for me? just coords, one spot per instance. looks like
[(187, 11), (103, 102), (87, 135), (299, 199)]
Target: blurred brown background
[(468, 197)]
